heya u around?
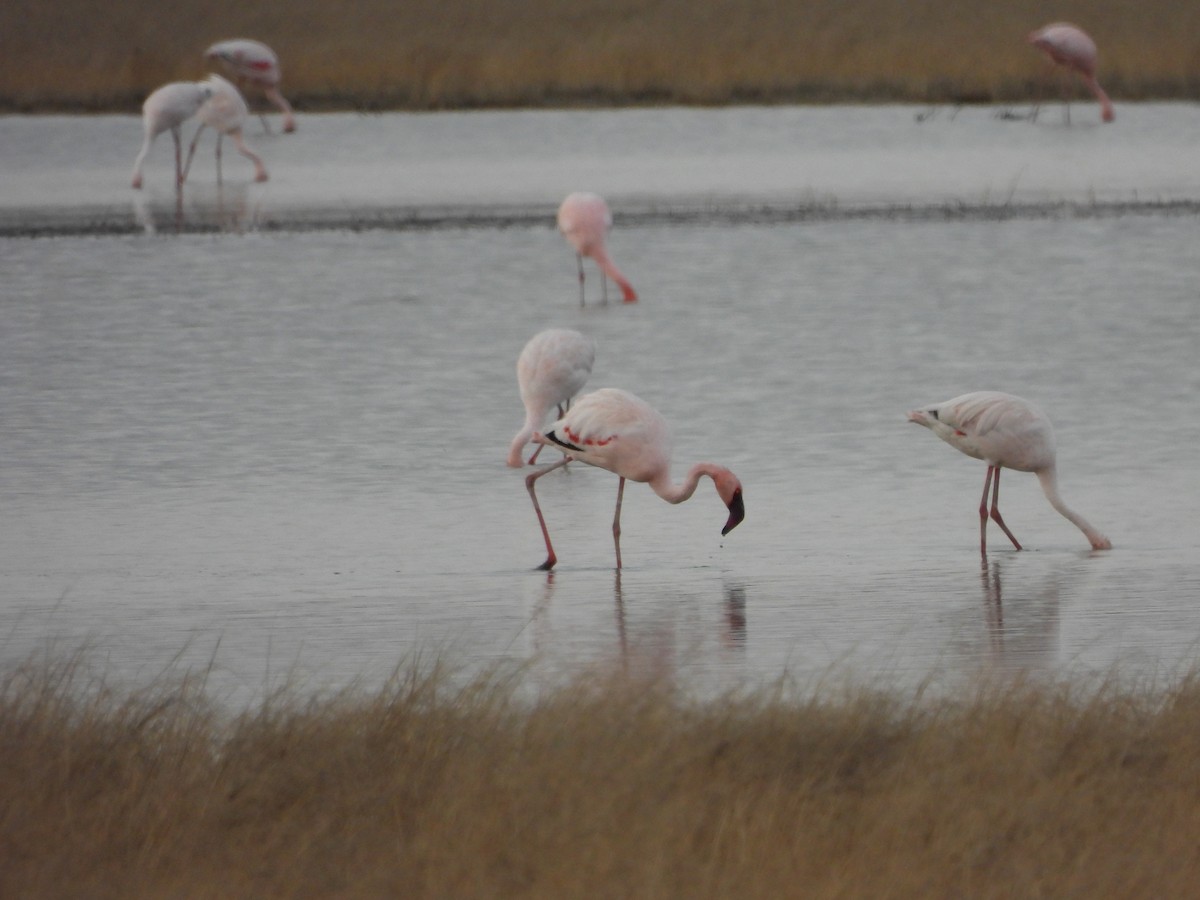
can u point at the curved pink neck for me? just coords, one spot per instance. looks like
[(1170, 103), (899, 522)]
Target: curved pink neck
[(1049, 481), (609, 268), (677, 493), (1106, 107)]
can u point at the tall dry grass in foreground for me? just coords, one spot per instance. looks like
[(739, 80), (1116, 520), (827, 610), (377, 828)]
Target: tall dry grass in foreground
[(602, 789), (425, 54)]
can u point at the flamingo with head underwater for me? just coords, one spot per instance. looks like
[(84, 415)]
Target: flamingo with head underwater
[(1005, 432), (614, 430), (1072, 48), (552, 368), (225, 111), (585, 220), (254, 64), (166, 109)]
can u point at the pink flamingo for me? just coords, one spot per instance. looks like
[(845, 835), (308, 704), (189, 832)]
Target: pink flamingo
[(553, 368), (615, 430), (254, 63), (167, 109), (1069, 46), (225, 111), (585, 221), (1005, 432)]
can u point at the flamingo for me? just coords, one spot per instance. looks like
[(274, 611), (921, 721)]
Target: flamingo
[(254, 63), (553, 368), (614, 430), (1069, 46), (1005, 432), (585, 220), (168, 108), (225, 111)]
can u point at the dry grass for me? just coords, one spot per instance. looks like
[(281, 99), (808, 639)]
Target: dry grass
[(601, 789), (424, 54)]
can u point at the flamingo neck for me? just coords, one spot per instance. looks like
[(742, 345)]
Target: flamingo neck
[(1106, 107), (677, 493), (1049, 480), (518, 445), (609, 268)]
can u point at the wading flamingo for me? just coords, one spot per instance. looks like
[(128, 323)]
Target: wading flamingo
[(584, 219), (167, 109), (1005, 432), (254, 64), (225, 112), (615, 430), (1069, 46), (553, 368)]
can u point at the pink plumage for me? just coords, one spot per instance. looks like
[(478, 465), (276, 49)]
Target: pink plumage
[(585, 220), (225, 112), (1072, 48), (166, 109), (615, 430), (254, 64), (552, 368), (1005, 432)]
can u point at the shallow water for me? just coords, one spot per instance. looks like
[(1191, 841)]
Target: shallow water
[(277, 452)]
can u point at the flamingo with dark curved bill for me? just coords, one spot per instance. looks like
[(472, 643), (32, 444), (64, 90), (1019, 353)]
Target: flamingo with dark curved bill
[(1072, 48), (585, 221), (225, 112), (552, 368), (255, 65), (1006, 432), (614, 430), (166, 109)]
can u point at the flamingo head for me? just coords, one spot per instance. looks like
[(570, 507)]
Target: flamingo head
[(931, 419), (729, 489)]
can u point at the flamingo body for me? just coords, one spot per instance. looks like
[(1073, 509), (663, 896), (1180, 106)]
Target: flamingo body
[(1072, 48), (615, 430), (552, 368), (166, 109), (1005, 432), (225, 112), (585, 220), (254, 63)]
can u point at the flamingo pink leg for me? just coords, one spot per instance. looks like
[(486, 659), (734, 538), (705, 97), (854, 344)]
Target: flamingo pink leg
[(178, 157), (579, 260), (992, 480), (551, 559), (617, 520)]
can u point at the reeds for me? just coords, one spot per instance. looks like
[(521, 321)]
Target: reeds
[(603, 788), (431, 54)]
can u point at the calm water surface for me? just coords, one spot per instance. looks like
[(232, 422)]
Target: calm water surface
[(279, 449)]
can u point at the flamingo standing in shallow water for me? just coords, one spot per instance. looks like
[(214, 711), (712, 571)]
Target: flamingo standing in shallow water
[(1069, 46), (584, 219), (254, 63), (225, 111), (553, 368), (1005, 432), (167, 109), (615, 430)]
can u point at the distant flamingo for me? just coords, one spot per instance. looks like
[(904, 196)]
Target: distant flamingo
[(254, 64), (585, 221), (167, 109), (553, 368), (1070, 47), (225, 111), (615, 430), (1005, 432)]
